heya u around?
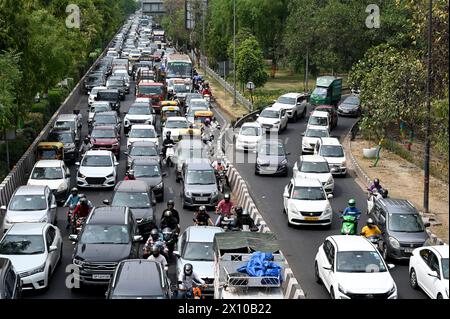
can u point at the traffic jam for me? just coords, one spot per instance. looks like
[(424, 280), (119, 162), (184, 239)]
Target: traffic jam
[(129, 197)]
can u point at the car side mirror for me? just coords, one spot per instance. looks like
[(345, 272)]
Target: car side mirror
[(433, 274), (176, 253), (330, 196), (3, 208), (427, 224), (328, 268), (333, 170), (106, 202), (73, 237), (164, 174), (391, 266), (77, 163), (137, 238), (286, 194), (52, 248), (116, 163)]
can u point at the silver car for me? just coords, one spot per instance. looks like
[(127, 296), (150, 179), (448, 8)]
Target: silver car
[(32, 204)]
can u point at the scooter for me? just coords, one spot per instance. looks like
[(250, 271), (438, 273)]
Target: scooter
[(373, 196), (376, 241), (170, 153), (77, 224), (348, 225)]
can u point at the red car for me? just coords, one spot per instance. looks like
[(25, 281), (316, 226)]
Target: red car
[(106, 138), (155, 91), (331, 110)]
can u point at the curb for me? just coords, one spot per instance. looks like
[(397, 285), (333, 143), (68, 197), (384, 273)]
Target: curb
[(433, 240)]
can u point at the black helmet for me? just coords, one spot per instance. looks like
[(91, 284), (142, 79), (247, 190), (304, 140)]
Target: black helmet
[(188, 269), (167, 213), (376, 182), (168, 133), (171, 203), (83, 201), (238, 210), (154, 233), (202, 209), (74, 191), (227, 197), (155, 250), (87, 139)]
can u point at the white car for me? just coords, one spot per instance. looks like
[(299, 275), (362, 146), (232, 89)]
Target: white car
[(306, 203), (35, 250), (113, 54), (98, 106), (53, 173), (174, 125), (273, 119), (311, 166), (350, 267), (428, 270), (319, 118), (331, 149), (142, 132), (310, 137), (97, 169), (134, 55), (249, 136), (93, 94), (295, 105), (138, 113)]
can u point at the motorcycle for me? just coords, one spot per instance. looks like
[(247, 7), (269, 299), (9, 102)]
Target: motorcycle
[(376, 241), (170, 239), (196, 292), (222, 180), (170, 153), (348, 225), (77, 224), (373, 196), (228, 223)]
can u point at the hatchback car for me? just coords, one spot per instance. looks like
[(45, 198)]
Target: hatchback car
[(30, 203), (250, 134), (428, 270), (331, 110), (271, 158), (53, 173), (273, 119), (311, 136), (306, 203), (10, 283), (316, 167), (143, 132), (35, 250), (351, 106), (106, 138), (331, 149), (402, 227), (149, 171), (350, 267), (97, 107), (97, 169), (295, 104), (199, 185), (142, 149), (139, 279)]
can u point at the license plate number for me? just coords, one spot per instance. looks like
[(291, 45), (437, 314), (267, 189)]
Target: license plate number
[(201, 199), (409, 250), (101, 277), (311, 218)]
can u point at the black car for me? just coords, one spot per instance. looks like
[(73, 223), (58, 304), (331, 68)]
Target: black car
[(117, 82), (10, 283), (109, 235), (271, 158), (92, 80), (351, 106), (138, 196), (149, 171), (139, 279), (68, 138), (112, 96)]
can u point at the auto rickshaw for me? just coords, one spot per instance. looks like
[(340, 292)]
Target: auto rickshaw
[(194, 133), (201, 116), (169, 111), (50, 150)]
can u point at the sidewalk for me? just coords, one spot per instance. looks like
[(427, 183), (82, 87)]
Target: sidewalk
[(405, 180)]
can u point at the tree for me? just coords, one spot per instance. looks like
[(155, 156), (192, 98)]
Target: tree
[(10, 78), (250, 63)]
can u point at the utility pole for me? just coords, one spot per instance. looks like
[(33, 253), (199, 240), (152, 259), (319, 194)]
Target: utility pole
[(306, 69), (203, 27), (426, 169), (234, 50)]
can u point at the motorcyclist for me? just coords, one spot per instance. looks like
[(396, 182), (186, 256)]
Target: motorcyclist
[(206, 90), (376, 187), (370, 230), (224, 208), (202, 218), (170, 94), (82, 210), (157, 257), (218, 165), (85, 146), (245, 220), (171, 207), (155, 239), (188, 278), (168, 220), (351, 210), (167, 141), (130, 176), (71, 202), (88, 201)]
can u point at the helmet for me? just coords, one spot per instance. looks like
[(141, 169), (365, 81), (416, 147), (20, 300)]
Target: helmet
[(154, 233), (167, 233), (82, 196), (207, 120), (74, 191), (167, 213), (131, 172), (202, 209), (245, 213), (370, 221), (87, 139), (155, 250), (171, 203), (351, 202), (376, 182), (188, 269), (168, 133), (238, 210), (83, 201), (226, 197)]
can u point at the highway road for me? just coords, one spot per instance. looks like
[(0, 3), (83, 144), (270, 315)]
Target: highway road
[(300, 244)]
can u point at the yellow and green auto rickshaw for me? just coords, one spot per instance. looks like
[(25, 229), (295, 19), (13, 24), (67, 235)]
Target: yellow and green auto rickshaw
[(169, 111), (50, 150), (201, 116)]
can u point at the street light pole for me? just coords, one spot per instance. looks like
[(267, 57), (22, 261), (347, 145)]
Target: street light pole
[(426, 169), (234, 50)]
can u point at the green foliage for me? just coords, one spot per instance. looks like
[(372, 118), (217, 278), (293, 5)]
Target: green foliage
[(250, 63)]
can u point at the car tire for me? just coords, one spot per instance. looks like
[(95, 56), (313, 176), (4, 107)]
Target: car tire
[(332, 293), (384, 252), (49, 276), (439, 296), (316, 274), (60, 256), (413, 279)]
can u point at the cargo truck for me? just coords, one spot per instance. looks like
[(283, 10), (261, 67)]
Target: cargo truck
[(328, 91)]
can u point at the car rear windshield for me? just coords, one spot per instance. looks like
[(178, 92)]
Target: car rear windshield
[(22, 245), (250, 131), (100, 108), (314, 167), (352, 100), (28, 203), (115, 83), (103, 133), (139, 110), (359, 262), (319, 121), (316, 133), (63, 137), (151, 90), (142, 133), (195, 251), (177, 124), (143, 151), (206, 177), (68, 124), (97, 161), (105, 234), (272, 149), (47, 173), (104, 119), (146, 171), (406, 223), (286, 100), (132, 199), (108, 96), (331, 151), (308, 193)]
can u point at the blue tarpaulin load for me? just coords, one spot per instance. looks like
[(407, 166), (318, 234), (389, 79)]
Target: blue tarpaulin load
[(261, 265)]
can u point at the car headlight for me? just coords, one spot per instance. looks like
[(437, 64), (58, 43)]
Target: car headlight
[(258, 161), (81, 175), (7, 220), (33, 271), (276, 123), (188, 194), (330, 180), (284, 162), (394, 243), (305, 143), (342, 289), (160, 185), (62, 187), (78, 262), (293, 210), (343, 164), (392, 290), (328, 210), (110, 175), (215, 193), (44, 219)]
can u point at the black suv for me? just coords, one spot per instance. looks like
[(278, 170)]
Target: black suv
[(112, 96), (10, 283), (117, 82), (139, 279), (92, 80), (109, 236), (402, 227)]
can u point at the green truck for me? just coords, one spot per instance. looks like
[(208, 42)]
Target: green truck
[(328, 91)]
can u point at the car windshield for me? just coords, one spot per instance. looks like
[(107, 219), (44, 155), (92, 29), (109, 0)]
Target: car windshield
[(406, 223), (359, 262), (445, 268), (179, 69), (132, 200), (105, 119), (96, 161), (250, 131), (316, 133), (28, 203), (181, 88), (103, 133), (108, 96), (114, 83), (150, 89), (199, 105), (331, 151), (320, 91), (195, 251), (308, 193), (319, 121), (146, 170), (143, 110), (177, 124), (191, 153), (271, 114), (22, 245), (352, 100), (286, 100), (100, 108), (143, 151), (105, 234), (63, 137), (142, 133), (272, 149), (315, 167), (171, 113), (68, 124), (47, 173), (206, 177)]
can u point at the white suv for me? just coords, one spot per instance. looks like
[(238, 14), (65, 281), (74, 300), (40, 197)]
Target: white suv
[(306, 203), (350, 267), (319, 118), (295, 104), (142, 132), (331, 149), (273, 119), (313, 166), (310, 137)]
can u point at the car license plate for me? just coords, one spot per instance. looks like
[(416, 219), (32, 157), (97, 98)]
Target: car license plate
[(409, 250), (201, 199), (101, 277), (311, 218)]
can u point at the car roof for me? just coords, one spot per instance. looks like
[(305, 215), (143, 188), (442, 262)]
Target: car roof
[(292, 94), (176, 118), (351, 243), (306, 182), (109, 91), (199, 165), (31, 190), (66, 117), (198, 100), (251, 124), (271, 108), (144, 161), (138, 277), (95, 103), (142, 127), (27, 228), (98, 153), (330, 141), (143, 143), (442, 250), (312, 158), (202, 233), (137, 186), (319, 114), (397, 206), (317, 127), (48, 163), (112, 113), (108, 215), (104, 127), (150, 84)]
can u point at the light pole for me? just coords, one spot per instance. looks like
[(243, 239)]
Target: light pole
[(234, 50), (426, 169)]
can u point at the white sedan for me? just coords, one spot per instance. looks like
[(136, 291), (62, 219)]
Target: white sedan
[(311, 166), (249, 136), (350, 267), (142, 132), (428, 270), (35, 250), (273, 119), (174, 125), (98, 169)]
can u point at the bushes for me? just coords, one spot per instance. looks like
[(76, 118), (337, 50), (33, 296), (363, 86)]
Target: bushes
[(16, 150)]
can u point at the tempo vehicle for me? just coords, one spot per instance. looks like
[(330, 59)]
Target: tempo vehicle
[(328, 91), (295, 105)]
